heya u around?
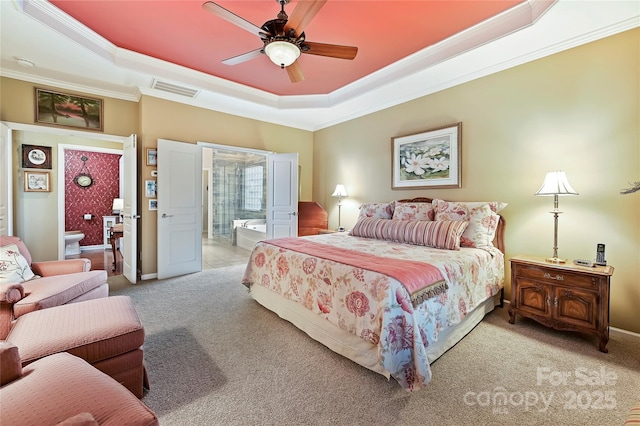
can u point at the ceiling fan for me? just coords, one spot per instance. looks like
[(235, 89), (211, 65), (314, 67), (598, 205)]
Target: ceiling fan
[(283, 38)]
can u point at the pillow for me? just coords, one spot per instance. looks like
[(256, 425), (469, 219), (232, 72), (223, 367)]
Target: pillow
[(13, 266), (442, 234), (482, 218), (413, 211), (377, 210)]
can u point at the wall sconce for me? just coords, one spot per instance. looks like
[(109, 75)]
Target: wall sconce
[(555, 183), (339, 192)]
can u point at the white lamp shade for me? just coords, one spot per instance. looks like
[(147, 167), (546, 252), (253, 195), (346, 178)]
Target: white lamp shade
[(282, 53), (556, 183), (118, 204), (339, 192)]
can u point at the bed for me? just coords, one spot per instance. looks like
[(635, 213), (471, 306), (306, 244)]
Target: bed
[(408, 282)]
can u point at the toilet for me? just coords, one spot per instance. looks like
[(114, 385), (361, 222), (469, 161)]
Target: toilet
[(72, 242)]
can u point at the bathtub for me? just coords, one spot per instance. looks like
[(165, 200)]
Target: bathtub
[(247, 236)]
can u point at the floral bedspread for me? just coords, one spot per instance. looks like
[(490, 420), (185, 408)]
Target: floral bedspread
[(376, 307)]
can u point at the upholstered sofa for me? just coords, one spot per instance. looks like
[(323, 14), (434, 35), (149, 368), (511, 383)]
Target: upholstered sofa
[(60, 282), (63, 389)]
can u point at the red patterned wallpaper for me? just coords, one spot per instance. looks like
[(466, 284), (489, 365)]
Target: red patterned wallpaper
[(96, 199)]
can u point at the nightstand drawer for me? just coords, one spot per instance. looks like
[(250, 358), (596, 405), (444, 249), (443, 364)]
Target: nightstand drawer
[(557, 277)]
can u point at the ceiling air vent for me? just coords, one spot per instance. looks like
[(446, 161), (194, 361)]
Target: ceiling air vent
[(174, 88)]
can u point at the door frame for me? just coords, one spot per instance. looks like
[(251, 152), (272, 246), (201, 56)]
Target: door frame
[(62, 173), (228, 148), (63, 132)]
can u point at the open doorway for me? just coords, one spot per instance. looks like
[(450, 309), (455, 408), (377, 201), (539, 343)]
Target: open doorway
[(233, 203)]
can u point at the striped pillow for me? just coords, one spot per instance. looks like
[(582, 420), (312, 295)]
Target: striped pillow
[(444, 234)]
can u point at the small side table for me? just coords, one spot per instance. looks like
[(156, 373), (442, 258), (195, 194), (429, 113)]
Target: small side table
[(115, 232), (562, 296)]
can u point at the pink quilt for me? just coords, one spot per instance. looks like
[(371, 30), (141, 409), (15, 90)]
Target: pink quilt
[(422, 280)]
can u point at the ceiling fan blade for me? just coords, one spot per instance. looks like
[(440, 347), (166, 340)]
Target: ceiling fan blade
[(243, 58), (331, 50), (295, 72), (232, 17), (304, 12)]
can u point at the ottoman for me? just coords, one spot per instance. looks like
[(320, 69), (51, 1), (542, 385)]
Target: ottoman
[(106, 333), (63, 389)]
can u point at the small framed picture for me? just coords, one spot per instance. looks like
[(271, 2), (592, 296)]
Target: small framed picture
[(36, 157), (152, 157), (150, 187), (153, 204), (36, 182)]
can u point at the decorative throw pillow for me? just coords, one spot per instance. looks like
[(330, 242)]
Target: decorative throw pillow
[(377, 210), (482, 218), (13, 266), (413, 211), (442, 234)]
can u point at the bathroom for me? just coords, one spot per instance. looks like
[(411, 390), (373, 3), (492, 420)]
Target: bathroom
[(89, 205), (235, 196)]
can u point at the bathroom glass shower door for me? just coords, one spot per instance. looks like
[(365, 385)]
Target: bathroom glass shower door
[(225, 199)]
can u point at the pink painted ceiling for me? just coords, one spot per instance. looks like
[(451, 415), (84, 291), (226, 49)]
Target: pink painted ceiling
[(183, 33)]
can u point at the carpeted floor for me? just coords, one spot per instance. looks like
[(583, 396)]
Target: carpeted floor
[(216, 357)]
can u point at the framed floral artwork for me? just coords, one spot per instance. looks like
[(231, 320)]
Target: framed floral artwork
[(431, 159)]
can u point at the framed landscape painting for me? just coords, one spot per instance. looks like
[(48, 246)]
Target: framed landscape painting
[(431, 159), (65, 110)]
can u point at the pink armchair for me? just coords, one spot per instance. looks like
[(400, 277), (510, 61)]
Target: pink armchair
[(59, 282)]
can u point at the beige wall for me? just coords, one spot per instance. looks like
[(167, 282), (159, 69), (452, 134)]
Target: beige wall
[(577, 111), (17, 105)]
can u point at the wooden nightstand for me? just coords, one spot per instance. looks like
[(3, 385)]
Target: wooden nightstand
[(562, 296)]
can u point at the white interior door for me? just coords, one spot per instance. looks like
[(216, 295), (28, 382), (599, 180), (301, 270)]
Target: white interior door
[(130, 215), (179, 208), (282, 195), (6, 227)]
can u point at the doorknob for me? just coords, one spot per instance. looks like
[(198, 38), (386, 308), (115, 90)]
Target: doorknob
[(164, 215), (293, 214)]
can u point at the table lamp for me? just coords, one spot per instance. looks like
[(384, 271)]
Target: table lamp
[(555, 183), (339, 192)]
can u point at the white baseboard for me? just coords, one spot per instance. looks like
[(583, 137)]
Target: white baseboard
[(149, 276)]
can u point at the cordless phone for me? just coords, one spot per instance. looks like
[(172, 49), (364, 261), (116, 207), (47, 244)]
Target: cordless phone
[(600, 260)]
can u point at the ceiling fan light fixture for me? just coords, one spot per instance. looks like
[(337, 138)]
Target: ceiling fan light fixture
[(282, 53)]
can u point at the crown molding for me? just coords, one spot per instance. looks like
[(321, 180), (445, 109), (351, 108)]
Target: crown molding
[(529, 31)]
